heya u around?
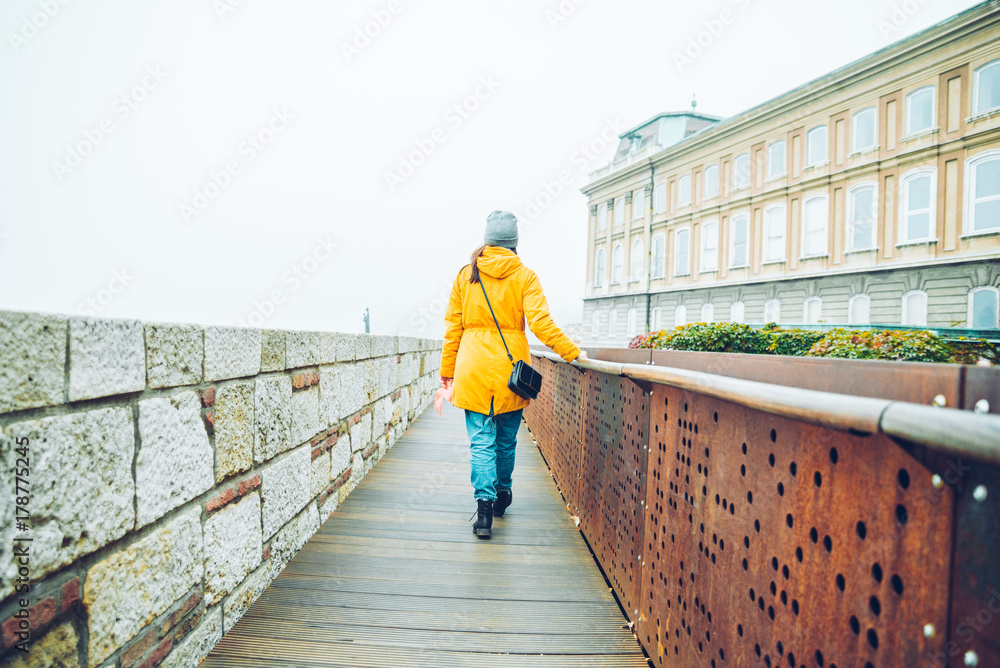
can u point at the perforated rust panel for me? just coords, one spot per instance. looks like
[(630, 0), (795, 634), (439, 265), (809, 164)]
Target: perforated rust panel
[(770, 542), (539, 412)]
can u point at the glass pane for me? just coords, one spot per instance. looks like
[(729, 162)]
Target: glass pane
[(988, 178), (859, 311), (684, 190), (919, 190), (862, 236), (740, 254), (984, 309), (740, 231), (776, 159), (987, 216), (743, 170), (737, 312), (816, 146), (864, 129), (916, 309), (920, 110), (989, 88), (918, 226)]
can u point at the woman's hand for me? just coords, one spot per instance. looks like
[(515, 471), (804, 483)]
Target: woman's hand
[(582, 356), (446, 382)]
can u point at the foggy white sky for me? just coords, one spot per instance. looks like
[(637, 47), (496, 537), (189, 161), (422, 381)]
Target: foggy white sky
[(115, 113)]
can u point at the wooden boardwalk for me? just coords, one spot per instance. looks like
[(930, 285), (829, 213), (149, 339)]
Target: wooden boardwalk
[(396, 577)]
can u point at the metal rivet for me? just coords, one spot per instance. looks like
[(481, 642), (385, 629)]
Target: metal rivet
[(982, 406), (971, 658), (979, 493), (940, 401), (928, 630), (936, 481)]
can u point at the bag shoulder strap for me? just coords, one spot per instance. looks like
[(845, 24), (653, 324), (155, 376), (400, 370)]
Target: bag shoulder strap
[(509, 356)]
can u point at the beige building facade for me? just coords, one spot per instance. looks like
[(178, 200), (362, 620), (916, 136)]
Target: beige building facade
[(870, 195)]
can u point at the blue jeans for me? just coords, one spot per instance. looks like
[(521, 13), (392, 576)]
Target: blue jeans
[(492, 439)]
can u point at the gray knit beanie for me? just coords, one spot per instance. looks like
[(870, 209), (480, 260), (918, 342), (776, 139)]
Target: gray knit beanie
[(501, 229)]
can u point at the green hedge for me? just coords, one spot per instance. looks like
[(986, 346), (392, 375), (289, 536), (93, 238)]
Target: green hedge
[(910, 346)]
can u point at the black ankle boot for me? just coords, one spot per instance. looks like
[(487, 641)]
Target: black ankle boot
[(484, 523), (504, 497)]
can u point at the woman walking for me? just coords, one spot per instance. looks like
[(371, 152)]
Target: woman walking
[(475, 358)]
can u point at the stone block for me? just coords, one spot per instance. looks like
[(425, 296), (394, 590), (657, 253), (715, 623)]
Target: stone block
[(383, 346), (232, 352), (32, 360), (120, 596), (272, 350), (232, 546), (106, 357), (175, 459), (352, 388), (237, 603), (346, 344), (310, 348), (328, 507), (198, 644), (56, 649), (340, 456), (174, 354), (284, 489), (362, 346), (319, 474), (82, 486), (292, 537), (361, 433), (329, 396), (273, 415), (234, 428), (305, 415)]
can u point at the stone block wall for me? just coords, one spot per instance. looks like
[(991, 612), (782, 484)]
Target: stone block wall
[(157, 477)]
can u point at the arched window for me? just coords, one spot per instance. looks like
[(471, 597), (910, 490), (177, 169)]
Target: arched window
[(638, 204), (815, 216), (682, 253), (739, 240), (984, 305), (684, 190), (774, 233), (595, 329), (812, 310), (986, 87), (918, 205), (707, 312), (816, 145), (915, 308), (861, 217), (602, 218), (635, 261), (657, 317), (660, 198), (711, 181), (737, 312), (680, 315), (741, 171), (630, 324), (709, 246), (859, 310), (920, 110), (659, 268), (863, 129), (613, 322), (617, 264), (619, 211), (599, 268), (982, 193), (772, 311), (776, 159)]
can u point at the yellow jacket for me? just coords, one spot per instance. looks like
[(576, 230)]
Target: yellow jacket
[(473, 353)]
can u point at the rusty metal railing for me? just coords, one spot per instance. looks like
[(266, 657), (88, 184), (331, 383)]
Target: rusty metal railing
[(746, 523)]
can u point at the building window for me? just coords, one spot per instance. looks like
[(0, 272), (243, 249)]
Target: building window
[(983, 193), (917, 207), (660, 198), (635, 261), (612, 322), (602, 218), (710, 246), (920, 110), (680, 315), (863, 130), (638, 204), (776, 159), (711, 181), (739, 240), (635, 143), (599, 268), (984, 307), (682, 253), (812, 310), (737, 312), (684, 190), (815, 216), (861, 218), (619, 211), (741, 171), (707, 313), (816, 146), (986, 87), (915, 308), (859, 310), (657, 316), (595, 328), (772, 311), (659, 256), (630, 323), (617, 264), (774, 233)]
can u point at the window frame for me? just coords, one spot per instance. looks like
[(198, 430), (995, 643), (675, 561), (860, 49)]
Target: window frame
[(996, 297), (711, 312), (678, 321), (736, 170), (784, 159), (687, 268), (976, 75), (854, 134), (852, 308), (602, 217), (904, 204), (805, 310), (619, 215), (703, 268), (614, 253), (613, 322), (903, 314), (848, 227), (684, 178), (656, 319), (969, 205), (805, 224), (714, 168), (774, 300), (595, 324), (638, 204), (732, 239), (826, 145), (658, 270), (908, 121), (631, 326), (600, 267), (660, 198), (631, 261), (765, 258), (743, 312)]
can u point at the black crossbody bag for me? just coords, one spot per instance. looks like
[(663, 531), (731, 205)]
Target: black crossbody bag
[(524, 381)]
